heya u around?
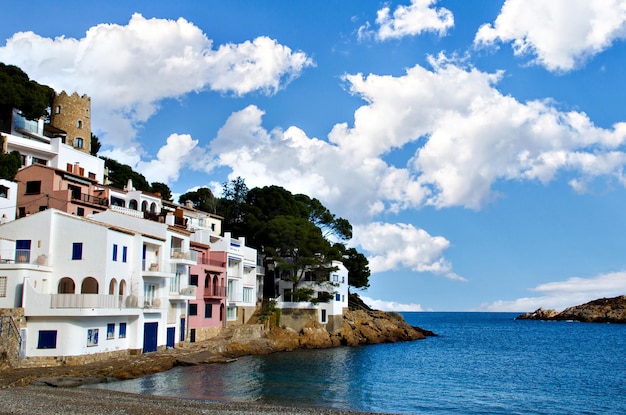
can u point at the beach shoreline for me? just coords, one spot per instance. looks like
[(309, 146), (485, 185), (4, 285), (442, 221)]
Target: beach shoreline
[(36, 399)]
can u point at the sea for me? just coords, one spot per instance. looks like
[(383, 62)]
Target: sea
[(480, 363)]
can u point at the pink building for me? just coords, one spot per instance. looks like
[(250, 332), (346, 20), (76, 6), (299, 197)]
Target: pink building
[(207, 313)]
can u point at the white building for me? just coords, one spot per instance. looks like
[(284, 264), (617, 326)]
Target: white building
[(89, 287), (8, 200), (28, 137), (330, 289), (242, 279)]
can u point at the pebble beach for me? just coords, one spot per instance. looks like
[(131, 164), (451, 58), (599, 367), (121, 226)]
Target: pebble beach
[(39, 400)]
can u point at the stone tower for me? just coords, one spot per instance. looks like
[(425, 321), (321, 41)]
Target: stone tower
[(72, 114)]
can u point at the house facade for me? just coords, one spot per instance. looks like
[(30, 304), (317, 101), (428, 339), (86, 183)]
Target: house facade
[(89, 287), (331, 291)]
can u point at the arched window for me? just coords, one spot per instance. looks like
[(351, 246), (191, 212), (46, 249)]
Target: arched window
[(215, 286), (78, 142), (144, 206), (66, 286), (79, 124), (207, 280), (112, 286), (153, 207), (122, 288), (89, 286), (132, 204)]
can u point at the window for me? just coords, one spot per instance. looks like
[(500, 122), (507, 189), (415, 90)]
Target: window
[(110, 331), (79, 124), (114, 252), (80, 211), (33, 188), (337, 297), (21, 212), (149, 292), (42, 208), (92, 337), (69, 167), (47, 339), (22, 251), (335, 278), (77, 250), (4, 192), (3, 286), (23, 160), (193, 309), (92, 176), (208, 310), (122, 334), (193, 280), (323, 320), (247, 294), (75, 191), (78, 142), (124, 253), (57, 109), (37, 160), (231, 313)]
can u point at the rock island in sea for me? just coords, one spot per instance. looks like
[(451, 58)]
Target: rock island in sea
[(603, 310)]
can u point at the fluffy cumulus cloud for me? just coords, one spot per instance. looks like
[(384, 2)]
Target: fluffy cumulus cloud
[(561, 34), (390, 305), (562, 294), (473, 135), (403, 246), (128, 69), (179, 150), (420, 16)]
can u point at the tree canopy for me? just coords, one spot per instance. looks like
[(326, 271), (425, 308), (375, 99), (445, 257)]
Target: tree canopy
[(18, 91), (201, 199), (9, 163), (297, 232)]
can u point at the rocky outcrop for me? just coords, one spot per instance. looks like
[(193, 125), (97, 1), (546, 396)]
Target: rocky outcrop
[(359, 327), (603, 310)]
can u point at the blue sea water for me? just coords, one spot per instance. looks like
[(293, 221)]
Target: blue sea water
[(481, 363)]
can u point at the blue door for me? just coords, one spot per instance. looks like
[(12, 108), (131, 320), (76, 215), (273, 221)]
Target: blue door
[(171, 337), (182, 329), (150, 331)]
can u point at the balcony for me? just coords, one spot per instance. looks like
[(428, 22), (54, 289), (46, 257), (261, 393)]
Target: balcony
[(216, 263), (90, 199), (102, 301), (215, 292), (180, 256), (22, 256), (185, 293)]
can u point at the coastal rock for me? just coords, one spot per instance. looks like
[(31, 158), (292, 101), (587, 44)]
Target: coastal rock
[(603, 310), (538, 314)]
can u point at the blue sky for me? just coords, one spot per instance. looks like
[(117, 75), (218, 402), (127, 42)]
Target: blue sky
[(478, 148)]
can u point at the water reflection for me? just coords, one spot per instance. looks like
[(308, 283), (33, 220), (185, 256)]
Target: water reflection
[(329, 378)]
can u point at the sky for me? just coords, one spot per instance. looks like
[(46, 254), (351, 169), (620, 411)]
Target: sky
[(477, 147)]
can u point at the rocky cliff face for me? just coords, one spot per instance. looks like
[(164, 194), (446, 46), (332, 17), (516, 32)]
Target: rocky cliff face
[(359, 327), (603, 310)]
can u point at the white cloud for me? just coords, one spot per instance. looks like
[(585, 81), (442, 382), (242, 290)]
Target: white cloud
[(420, 16), (178, 152), (390, 305), (127, 70), (562, 294), (473, 135), (403, 246), (562, 34)]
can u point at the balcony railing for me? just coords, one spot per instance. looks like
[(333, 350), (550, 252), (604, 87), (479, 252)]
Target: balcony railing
[(215, 292), (179, 253), (212, 262), (103, 301), (127, 211), (94, 200)]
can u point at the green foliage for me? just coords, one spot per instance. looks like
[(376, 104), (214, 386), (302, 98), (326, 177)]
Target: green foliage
[(95, 145), (120, 173), (18, 91), (395, 315), (358, 268), (163, 189), (202, 199), (9, 163)]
